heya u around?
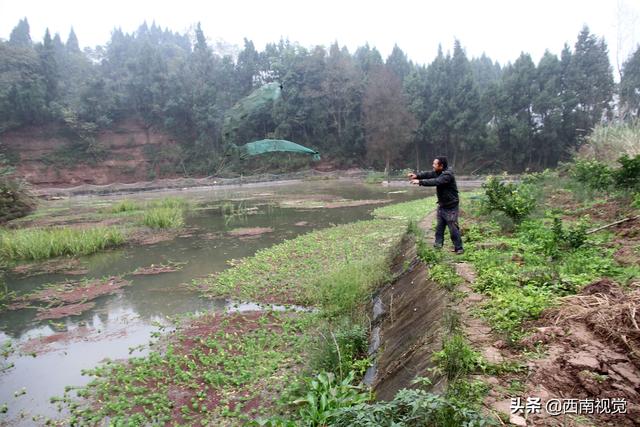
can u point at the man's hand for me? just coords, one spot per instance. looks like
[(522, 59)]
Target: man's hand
[(412, 175), (415, 181)]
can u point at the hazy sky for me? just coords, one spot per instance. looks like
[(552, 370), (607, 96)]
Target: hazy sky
[(500, 28)]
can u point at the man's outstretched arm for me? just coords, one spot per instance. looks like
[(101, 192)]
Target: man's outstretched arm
[(443, 178)]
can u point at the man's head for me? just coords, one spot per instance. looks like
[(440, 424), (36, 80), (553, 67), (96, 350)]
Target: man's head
[(440, 163)]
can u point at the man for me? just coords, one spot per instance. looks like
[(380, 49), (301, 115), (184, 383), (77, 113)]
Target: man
[(442, 178)]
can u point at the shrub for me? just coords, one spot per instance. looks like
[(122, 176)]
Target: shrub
[(516, 201), (15, 198), (593, 174), (628, 176)]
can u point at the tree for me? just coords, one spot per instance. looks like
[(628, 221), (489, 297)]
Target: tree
[(50, 70), (514, 116), (630, 87), (387, 121), (547, 109), (343, 88), (398, 63), (247, 68), (72, 44), (20, 36), (590, 79)]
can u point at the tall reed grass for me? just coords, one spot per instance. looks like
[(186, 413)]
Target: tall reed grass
[(41, 243)]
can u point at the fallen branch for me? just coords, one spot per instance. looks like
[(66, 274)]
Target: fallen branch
[(613, 223)]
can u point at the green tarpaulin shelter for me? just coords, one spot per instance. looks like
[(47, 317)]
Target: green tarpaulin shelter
[(272, 145)]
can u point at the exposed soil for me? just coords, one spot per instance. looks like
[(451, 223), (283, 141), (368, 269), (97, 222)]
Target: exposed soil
[(143, 236), (126, 159), (156, 269), (592, 342), (326, 202), (74, 292), (249, 231), (628, 242), (69, 266), (42, 345), (582, 360), (63, 311)]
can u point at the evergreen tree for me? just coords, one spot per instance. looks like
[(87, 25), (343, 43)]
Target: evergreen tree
[(398, 63), (591, 80), (547, 108), (72, 44), (515, 124), (20, 36), (50, 70), (630, 87)]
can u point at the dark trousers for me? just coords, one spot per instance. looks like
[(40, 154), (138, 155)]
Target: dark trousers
[(448, 217)]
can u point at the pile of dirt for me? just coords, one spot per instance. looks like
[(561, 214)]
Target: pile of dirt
[(607, 310), (593, 351)]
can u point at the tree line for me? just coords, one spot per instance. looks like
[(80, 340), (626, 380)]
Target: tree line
[(356, 109)]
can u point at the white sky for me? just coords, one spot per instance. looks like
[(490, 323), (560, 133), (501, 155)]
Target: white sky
[(500, 28)]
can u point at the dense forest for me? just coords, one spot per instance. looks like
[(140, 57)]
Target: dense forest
[(356, 109)]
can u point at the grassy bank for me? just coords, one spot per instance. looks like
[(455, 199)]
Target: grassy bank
[(296, 271)]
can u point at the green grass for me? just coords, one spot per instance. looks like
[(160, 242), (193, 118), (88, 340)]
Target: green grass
[(290, 272), (125, 205), (414, 210), (163, 217), (444, 274), (42, 243), (169, 202), (343, 291)]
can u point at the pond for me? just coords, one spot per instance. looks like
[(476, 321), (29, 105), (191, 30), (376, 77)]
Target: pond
[(225, 224)]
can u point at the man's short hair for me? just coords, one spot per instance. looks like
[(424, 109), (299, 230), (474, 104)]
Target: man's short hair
[(443, 161)]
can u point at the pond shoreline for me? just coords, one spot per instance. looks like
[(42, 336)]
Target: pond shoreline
[(252, 181)]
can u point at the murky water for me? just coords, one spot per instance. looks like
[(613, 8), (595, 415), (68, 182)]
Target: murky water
[(121, 324)]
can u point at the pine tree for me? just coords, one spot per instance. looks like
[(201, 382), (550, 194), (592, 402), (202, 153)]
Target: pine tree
[(630, 87), (398, 63), (72, 44), (591, 80), (20, 36), (50, 70)]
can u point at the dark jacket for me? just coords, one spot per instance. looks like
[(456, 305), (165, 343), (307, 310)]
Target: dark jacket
[(445, 184)]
